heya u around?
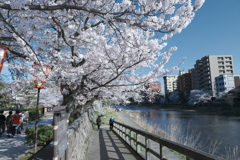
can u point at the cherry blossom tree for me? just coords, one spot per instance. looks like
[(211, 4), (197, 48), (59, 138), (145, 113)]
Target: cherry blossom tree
[(199, 97), (95, 48), (51, 97), (174, 97)]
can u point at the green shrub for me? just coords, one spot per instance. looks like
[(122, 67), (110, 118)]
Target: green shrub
[(45, 135), (32, 114)]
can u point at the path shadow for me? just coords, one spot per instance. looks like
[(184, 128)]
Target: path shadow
[(113, 148), (11, 148)]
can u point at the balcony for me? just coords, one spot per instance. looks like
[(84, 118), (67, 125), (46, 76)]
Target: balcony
[(221, 71)]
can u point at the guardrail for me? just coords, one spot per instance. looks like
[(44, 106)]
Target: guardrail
[(152, 147)]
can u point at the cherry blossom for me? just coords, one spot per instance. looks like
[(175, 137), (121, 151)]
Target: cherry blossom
[(95, 49)]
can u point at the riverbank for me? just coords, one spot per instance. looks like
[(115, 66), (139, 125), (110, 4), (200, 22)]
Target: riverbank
[(207, 132), (208, 109)]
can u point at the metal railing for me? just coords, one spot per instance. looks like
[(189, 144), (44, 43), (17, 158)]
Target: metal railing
[(152, 147)]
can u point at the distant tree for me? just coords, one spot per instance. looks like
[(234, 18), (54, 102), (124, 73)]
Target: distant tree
[(174, 97), (162, 100), (183, 97), (199, 97), (5, 97), (2, 85)]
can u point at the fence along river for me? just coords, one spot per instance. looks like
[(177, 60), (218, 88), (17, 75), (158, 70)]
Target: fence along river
[(225, 130)]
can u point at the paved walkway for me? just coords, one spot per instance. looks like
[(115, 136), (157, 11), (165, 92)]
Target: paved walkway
[(105, 145), (14, 148)]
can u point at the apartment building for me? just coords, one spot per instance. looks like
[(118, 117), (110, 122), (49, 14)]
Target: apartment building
[(237, 81), (170, 84), (207, 68), (223, 84), (185, 81), (155, 87)]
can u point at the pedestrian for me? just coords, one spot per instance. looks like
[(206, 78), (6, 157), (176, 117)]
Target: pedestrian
[(111, 120), (16, 122), (99, 121), (9, 124), (22, 118), (2, 123)]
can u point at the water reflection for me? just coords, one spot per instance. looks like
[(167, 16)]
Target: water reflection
[(223, 129)]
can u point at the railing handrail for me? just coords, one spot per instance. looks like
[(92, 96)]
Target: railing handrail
[(187, 151)]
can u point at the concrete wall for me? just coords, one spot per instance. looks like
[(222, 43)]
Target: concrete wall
[(79, 133)]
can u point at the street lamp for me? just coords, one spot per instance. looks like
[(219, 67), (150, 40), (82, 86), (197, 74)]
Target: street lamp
[(3, 53), (40, 73)]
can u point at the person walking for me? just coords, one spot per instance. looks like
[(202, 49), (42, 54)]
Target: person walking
[(8, 124), (111, 120), (16, 122), (22, 119), (99, 121), (2, 123)]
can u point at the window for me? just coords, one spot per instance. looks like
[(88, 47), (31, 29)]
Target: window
[(221, 71), (228, 62), (220, 63), (220, 58), (228, 58)]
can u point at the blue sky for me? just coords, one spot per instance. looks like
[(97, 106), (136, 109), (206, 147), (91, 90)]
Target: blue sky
[(215, 30)]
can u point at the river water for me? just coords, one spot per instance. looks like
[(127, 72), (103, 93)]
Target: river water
[(218, 128)]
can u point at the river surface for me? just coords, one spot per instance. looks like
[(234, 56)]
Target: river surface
[(218, 128)]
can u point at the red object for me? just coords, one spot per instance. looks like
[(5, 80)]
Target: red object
[(16, 119), (3, 53), (40, 72)]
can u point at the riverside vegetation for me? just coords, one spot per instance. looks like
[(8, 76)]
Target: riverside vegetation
[(176, 134)]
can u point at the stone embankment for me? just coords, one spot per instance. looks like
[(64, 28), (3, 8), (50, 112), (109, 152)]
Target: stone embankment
[(80, 132)]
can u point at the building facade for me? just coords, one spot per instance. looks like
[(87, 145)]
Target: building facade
[(237, 80), (170, 84), (155, 90), (207, 68), (223, 84), (155, 87), (185, 81)]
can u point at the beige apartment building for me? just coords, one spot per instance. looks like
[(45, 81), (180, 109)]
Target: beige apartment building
[(207, 68), (170, 84)]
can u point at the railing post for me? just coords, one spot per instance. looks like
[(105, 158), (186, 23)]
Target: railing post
[(130, 138), (124, 137), (120, 131), (160, 151), (146, 145), (136, 142)]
